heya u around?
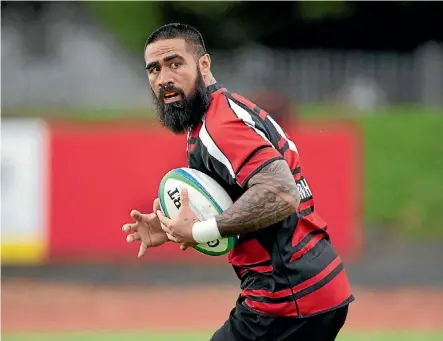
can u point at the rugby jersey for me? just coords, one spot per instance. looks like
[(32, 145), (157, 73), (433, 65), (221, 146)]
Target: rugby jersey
[(289, 268)]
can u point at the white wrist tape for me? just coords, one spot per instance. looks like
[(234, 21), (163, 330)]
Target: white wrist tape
[(206, 231)]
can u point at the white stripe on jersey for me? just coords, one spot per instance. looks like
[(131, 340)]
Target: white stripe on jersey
[(246, 117), (215, 152), (282, 134)]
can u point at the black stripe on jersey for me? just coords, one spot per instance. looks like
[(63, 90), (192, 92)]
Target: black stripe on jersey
[(271, 282), (291, 221), (296, 272), (262, 299), (301, 270), (275, 135), (257, 110), (307, 199), (299, 294), (192, 140), (296, 171), (306, 240), (305, 212), (320, 283), (284, 148), (265, 263)]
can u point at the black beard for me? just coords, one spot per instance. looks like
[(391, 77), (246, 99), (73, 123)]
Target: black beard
[(185, 114)]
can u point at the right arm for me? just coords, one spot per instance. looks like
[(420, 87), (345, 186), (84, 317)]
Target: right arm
[(272, 196), (242, 155)]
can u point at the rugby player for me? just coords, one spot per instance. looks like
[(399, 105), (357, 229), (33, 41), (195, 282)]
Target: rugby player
[(293, 284)]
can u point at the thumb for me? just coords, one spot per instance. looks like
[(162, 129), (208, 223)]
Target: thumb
[(184, 196), (156, 206)]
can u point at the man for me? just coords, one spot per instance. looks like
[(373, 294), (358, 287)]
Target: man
[(293, 283)]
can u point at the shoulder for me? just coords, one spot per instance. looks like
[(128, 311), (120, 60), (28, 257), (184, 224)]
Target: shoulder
[(226, 98), (228, 109)]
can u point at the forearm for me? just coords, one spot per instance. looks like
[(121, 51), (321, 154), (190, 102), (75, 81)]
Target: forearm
[(272, 196), (260, 206)]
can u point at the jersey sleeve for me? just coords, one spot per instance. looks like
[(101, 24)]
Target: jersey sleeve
[(237, 147)]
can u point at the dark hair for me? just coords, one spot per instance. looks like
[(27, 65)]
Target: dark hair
[(176, 30)]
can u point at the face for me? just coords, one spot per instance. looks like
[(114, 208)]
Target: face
[(178, 84)]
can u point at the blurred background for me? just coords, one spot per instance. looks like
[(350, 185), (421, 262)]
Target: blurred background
[(359, 86)]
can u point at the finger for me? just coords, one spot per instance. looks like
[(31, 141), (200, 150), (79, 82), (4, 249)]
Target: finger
[(172, 238), (156, 206), (142, 250), (150, 217), (183, 247), (184, 196), (137, 216), (133, 237), (165, 228), (162, 218), (130, 227)]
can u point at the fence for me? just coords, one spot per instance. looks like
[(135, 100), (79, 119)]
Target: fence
[(362, 78)]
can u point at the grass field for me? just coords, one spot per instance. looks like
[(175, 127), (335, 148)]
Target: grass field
[(393, 336)]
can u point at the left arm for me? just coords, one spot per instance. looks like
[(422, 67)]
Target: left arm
[(271, 196)]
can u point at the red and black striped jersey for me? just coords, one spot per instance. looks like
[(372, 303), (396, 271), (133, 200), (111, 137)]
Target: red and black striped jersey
[(289, 268)]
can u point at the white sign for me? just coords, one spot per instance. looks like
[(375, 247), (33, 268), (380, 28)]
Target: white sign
[(24, 181)]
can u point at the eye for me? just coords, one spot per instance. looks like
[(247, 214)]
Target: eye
[(175, 65), (154, 69)]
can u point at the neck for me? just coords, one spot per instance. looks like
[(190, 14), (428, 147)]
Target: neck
[(209, 79)]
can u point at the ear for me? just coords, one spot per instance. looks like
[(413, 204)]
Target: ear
[(205, 65)]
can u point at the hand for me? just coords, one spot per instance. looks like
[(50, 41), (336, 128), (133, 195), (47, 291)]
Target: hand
[(147, 229), (179, 229)]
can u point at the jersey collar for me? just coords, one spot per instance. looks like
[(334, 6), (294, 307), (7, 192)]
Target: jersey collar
[(215, 88)]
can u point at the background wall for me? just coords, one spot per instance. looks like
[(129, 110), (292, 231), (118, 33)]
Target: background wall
[(358, 85)]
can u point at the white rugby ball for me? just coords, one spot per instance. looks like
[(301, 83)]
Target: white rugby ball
[(207, 199)]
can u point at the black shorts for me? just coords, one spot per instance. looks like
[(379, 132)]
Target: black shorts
[(246, 325)]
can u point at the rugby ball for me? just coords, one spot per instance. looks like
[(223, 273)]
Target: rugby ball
[(206, 197)]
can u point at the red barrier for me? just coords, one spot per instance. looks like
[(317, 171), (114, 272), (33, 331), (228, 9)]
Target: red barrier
[(331, 159), (100, 173)]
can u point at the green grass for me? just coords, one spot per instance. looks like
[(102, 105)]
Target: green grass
[(403, 166), (404, 162), (393, 336)]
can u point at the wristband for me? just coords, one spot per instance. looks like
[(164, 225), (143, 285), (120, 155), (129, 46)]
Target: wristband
[(206, 231)]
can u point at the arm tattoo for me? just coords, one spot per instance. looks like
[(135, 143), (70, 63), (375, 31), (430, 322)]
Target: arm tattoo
[(272, 196)]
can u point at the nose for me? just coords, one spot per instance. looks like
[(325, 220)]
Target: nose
[(163, 85), (165, 78)]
